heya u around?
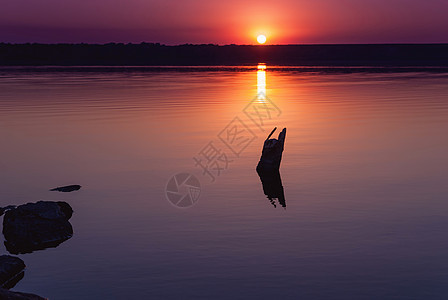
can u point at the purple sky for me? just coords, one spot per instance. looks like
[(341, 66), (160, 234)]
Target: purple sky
[(224, 22)]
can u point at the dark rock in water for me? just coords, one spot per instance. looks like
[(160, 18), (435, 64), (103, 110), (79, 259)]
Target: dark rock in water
[(36, 226), (67, 189), (4, 209), (10, 295), (11, 271), (268, 168)]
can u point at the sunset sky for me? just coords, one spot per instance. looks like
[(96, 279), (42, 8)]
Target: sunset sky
[(224, 22)]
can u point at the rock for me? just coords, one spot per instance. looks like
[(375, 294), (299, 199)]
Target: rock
[(11, 271), (67, 189), (10, 295), (4, 209), (36, 226)]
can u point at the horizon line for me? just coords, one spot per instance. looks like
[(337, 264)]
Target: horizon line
[(220, 45)]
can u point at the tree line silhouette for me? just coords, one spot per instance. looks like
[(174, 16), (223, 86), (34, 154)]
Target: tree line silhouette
[(155, 54)]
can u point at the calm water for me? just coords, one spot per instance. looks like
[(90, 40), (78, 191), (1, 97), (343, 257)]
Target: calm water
[(364, 171)]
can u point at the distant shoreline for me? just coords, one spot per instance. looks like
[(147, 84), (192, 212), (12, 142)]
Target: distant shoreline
[(189, 69), (154, 54)]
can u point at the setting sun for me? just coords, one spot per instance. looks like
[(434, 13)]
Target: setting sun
[(261, 39)]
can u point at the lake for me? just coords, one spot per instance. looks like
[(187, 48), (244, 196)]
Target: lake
[(364, 174)]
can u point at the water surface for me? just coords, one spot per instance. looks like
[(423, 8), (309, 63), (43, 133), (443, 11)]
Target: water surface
[(364, 172)]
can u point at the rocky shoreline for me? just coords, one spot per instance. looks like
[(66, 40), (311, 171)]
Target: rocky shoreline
[(27, 228)]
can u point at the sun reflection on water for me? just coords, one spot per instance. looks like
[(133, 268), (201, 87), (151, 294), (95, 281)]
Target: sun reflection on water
[(261, 82)]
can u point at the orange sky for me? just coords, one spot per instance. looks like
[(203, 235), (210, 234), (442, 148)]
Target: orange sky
[(225, 22)]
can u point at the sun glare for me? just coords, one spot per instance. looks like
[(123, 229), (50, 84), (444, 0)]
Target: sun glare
[(261, 39)]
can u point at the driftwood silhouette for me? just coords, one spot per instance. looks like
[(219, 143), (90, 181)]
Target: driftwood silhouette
[(268, 168)]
